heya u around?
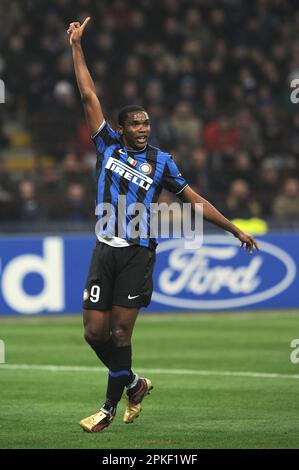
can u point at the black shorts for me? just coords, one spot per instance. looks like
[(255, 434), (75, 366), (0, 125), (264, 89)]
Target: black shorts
[(119, 276)]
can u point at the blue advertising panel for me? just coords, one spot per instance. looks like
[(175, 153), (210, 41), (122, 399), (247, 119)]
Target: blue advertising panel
[(44, 275), (221, 276)]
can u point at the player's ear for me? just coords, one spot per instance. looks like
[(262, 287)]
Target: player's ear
[(120, 129)]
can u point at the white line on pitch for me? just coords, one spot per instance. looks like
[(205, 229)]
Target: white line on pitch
[(223, 373)]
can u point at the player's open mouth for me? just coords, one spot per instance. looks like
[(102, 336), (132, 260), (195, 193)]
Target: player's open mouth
[(141, 140)]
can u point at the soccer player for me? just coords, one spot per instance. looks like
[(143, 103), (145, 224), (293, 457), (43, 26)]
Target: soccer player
[(119, 281)]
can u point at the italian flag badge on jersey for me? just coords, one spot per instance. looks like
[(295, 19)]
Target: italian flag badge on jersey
[(132, 161)]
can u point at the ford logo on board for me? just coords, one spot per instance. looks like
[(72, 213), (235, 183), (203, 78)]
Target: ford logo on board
[(220, 275)]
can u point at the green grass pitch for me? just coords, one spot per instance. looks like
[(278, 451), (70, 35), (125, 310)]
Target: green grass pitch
[(212, 379)]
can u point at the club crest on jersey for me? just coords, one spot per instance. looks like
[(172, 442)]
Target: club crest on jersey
[(146, 168), (85, 294)]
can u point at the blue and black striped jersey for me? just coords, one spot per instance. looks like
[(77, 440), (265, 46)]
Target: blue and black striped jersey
[(139, 176)]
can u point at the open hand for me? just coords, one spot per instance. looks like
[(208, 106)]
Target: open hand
[(76, 30)]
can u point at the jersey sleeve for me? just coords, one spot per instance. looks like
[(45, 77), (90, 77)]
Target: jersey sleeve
[(172, 179), (104, 137)]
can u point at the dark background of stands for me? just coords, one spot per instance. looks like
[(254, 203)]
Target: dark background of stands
[(214, 75)]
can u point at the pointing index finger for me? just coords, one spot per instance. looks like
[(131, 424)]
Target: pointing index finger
[(85, 22)]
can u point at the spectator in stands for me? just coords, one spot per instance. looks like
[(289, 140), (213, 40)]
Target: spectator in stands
[(248, 130), (220, 136), (56, 123), (130, 93), (199, 172), (75, 206), (154, 92), (186, 124), (209, 108), (243, 168), (162, 131), (268, 183), (28, 206), (212, 75), (240, 203), (286, 204), (73, 170)]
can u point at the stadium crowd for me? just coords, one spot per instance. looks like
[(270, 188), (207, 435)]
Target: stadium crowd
[(214, 75)]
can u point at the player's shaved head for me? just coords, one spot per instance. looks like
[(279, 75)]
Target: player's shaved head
[(124, 112)]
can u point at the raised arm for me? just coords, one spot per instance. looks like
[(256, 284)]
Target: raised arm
[(211, 214), (92, 106)]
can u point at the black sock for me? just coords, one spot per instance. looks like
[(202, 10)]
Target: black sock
[(103, 351), (119, 373)]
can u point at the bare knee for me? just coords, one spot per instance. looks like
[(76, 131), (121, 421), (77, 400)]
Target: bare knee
[(121, 335), (96, 327), (95, 337)]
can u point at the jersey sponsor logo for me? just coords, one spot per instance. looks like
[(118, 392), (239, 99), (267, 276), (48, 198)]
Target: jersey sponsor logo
[(133, 296), (219, 275), (146, 168), (129, 173)]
